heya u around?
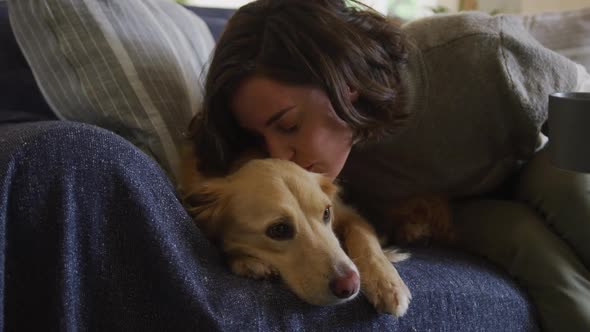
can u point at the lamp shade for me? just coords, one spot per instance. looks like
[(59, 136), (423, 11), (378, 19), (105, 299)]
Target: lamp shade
[(569, 130)]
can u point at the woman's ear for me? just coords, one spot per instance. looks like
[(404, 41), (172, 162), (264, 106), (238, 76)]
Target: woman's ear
[(353, 94)]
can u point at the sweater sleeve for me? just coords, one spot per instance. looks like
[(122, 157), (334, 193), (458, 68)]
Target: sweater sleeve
[(533, 72), (583, 82)]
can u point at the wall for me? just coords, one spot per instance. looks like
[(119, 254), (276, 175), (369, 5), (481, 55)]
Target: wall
[(453, 5), (536, 6), (503, 6)]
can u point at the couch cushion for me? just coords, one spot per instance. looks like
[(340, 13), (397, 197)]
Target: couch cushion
[(216, 18), (20, 98), (132, 66), (566, 32)]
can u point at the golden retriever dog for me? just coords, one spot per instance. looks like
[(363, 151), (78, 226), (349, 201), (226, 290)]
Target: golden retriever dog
[(273, 218)]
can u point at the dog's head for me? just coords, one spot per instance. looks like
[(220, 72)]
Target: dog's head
[(271, 217)]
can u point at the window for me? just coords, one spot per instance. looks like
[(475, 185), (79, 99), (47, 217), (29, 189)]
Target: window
[(406, 9), (410, 9), (217, 3)]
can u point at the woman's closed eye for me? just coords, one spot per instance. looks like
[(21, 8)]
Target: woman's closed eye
[(289, 123), (289, 129)]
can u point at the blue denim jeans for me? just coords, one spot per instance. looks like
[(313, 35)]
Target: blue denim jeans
[(94, 238)]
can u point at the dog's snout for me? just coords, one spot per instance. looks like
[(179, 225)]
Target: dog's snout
[(345, 286)]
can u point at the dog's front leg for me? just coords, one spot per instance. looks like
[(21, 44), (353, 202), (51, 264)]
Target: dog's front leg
[(380, 281), (252, 267)]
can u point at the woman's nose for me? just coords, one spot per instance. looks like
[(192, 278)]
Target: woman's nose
[(279, 149)]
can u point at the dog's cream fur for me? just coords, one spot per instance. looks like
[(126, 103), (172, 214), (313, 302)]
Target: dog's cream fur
[(236, 211)]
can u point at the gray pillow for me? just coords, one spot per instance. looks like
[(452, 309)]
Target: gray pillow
[(132, 66)]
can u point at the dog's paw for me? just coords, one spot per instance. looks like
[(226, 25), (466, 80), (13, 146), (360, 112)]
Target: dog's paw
[(252, 268), (385, 289)]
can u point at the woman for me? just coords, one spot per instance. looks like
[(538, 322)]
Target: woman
[(451, 104)]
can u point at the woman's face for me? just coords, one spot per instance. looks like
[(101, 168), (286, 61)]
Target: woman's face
[(297, 123)]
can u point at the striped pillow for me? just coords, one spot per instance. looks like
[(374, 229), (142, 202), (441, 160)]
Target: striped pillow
[(130, 66)]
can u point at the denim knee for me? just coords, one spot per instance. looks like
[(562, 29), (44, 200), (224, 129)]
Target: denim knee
[(47, 149)]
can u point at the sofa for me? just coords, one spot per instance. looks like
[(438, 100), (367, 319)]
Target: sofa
[(153, 270)]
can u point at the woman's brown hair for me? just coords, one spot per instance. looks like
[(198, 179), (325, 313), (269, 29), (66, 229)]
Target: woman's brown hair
[(321, 43)]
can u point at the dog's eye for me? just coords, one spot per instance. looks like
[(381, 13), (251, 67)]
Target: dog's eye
[(327, 215), (280, 231)]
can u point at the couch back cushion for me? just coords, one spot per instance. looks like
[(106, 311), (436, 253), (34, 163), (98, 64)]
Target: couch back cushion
[(19, 94), (134, 66), (566, 32), (216, 18)]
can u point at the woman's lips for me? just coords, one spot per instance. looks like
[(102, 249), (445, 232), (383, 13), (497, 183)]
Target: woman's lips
[(309, 167)]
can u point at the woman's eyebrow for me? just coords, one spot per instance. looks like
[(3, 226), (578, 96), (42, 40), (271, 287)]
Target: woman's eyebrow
[(275, 117)]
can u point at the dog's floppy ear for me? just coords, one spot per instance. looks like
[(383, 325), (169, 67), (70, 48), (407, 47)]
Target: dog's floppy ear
[(205, 203), (328, 187)]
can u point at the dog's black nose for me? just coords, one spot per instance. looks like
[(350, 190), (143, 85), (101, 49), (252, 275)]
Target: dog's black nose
[(346, 286)]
